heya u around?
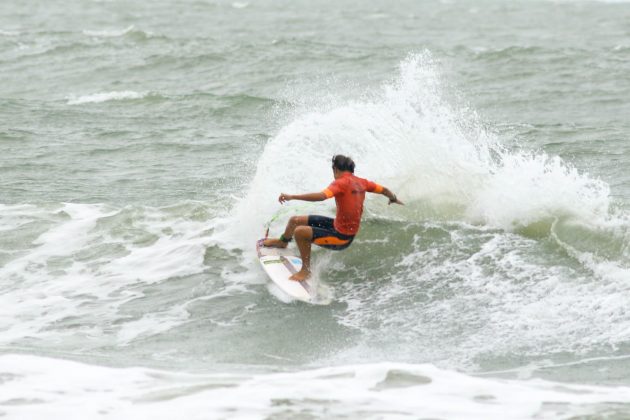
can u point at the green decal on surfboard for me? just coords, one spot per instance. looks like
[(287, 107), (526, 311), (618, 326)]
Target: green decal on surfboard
[(272, 261)]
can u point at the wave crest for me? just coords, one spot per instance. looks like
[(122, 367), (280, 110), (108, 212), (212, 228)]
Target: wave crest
[(105, 97)]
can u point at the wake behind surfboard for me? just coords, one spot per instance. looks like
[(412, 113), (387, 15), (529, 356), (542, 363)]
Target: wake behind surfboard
[(280, 264)]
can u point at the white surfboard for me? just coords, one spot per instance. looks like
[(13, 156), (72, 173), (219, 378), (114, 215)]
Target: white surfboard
[(280, 264)]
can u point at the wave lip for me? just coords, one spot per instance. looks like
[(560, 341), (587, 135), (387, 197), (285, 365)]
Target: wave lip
[(105, 97)]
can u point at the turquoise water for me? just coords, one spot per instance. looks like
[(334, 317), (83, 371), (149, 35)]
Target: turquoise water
[(142, 149)]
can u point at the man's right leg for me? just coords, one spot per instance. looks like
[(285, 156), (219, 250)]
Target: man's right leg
[(292, 224)]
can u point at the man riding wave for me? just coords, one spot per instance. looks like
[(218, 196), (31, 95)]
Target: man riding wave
[(338, 233)]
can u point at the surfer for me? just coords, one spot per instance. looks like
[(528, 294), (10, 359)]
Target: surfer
[(338, 233)]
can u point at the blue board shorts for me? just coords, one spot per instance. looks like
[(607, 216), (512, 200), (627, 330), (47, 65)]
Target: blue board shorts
[(325, 234)]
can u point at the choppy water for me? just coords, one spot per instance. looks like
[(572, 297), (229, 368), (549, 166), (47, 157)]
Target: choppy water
[(142, 148)]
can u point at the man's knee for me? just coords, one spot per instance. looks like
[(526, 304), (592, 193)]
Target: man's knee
[(303, 232)]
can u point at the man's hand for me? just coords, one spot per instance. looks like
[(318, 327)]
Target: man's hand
[(392, 197), (395, 200), (284, 197)]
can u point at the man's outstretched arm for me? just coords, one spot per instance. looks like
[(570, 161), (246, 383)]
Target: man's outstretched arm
[(317, 196)]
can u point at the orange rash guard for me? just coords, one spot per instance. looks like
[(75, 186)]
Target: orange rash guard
[(349, 192)]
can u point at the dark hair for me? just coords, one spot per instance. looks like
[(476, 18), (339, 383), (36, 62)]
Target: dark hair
[(343, 163)]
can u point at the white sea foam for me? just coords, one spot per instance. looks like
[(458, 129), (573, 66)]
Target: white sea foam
[(525, 188), (105, 96), (240, 5), (81, 266), (38, 387), (111, 33), (479, 292), (153, 323), (9, 33)]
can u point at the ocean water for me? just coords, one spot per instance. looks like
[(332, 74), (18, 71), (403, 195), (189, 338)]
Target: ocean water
[(142, 149)]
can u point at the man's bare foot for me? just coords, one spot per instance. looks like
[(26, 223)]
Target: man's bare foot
[(300, 275), (275, 243)]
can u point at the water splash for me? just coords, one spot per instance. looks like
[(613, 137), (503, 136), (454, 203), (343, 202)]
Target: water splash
[(434, 155)]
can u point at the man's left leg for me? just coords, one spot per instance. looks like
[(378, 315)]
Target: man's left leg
[(303, 237), (292, 224)]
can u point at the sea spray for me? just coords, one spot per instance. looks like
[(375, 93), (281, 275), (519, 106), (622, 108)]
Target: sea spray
[(436, 156)]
